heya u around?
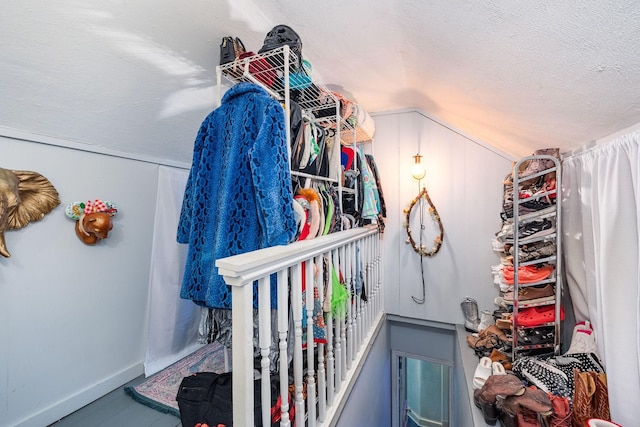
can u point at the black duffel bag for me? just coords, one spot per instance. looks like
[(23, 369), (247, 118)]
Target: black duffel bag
[(206, 397)]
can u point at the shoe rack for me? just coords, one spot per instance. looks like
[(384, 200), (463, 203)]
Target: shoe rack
[(536, 324)]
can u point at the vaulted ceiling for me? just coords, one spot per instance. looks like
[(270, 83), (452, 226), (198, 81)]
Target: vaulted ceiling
[(139, 76)]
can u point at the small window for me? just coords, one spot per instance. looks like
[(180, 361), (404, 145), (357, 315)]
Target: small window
[(423, 391)]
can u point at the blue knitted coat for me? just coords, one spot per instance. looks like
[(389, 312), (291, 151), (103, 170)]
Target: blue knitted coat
[(238, 196)]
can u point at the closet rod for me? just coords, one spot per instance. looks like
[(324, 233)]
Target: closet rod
[(316, 177)]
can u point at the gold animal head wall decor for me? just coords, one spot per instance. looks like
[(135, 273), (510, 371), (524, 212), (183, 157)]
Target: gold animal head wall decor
[(93, 219), (25, 197)]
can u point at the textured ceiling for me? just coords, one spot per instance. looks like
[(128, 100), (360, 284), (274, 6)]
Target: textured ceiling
[(139, 76)]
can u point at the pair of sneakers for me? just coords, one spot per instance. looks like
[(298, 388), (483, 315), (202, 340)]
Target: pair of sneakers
[(486, 367), (536, 228), (531, 294), (527, 230), (541, 249), (526, 274)]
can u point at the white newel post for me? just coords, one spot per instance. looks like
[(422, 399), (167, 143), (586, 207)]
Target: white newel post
[(264, 338), (311, 383), (349, 280), (330, 336), (283, 331), (322, 384), (296, 308), (242, 354)]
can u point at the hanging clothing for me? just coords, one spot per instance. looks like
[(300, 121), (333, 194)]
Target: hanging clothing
[(238, 196), (319, 333), (370, 197), (382, 208)]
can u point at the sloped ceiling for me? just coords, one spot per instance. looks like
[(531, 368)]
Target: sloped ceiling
[(139, 76)]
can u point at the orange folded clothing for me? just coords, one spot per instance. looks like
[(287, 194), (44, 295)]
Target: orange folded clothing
[(527, 274)]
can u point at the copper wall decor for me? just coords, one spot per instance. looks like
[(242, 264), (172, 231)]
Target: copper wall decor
[(93, 219)]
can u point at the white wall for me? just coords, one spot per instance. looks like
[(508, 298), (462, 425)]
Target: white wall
[(464, 180), (73, 317)]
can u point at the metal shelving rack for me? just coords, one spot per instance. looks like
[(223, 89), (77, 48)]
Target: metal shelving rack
[(275, 73), (556, 260)]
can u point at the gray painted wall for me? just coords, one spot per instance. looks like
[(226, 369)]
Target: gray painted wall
[(369, 403), (73, 318), (464, 180)]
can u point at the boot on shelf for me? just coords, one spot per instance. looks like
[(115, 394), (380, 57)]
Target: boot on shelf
[(583, 397), (486, 320), (470, 310), (496, 385), (561, 411), (601, 396), (583, 339)]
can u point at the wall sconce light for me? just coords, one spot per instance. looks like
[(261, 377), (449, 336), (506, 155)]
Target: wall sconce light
[(418, 171)]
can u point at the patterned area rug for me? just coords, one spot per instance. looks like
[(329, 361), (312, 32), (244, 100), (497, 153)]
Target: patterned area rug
[(159, 390)]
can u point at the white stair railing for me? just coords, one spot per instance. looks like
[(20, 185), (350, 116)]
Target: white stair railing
[(319, 368)]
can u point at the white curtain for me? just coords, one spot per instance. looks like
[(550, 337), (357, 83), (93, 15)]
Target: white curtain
[(601, 232), (173, 322)]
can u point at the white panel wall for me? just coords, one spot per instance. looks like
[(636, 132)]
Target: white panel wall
[(464, 180), (73, 317)]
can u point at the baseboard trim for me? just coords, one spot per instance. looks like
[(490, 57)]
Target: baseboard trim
[(82, 398)]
